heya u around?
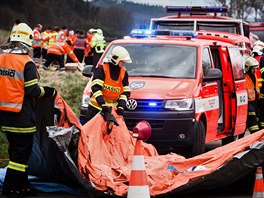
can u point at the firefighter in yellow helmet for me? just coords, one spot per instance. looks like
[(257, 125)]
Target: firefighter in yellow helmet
[(19, 89), (110, 85), (251, 66)]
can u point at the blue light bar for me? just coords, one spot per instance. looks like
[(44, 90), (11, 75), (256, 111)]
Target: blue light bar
[(139, 33), (196, 9)]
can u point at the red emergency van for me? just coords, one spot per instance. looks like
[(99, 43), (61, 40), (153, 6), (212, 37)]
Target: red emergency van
[(191, 90)]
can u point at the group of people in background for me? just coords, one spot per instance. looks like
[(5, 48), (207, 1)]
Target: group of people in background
[(51, 44)]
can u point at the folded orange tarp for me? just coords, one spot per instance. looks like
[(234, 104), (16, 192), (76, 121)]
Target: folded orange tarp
[(106, 159)]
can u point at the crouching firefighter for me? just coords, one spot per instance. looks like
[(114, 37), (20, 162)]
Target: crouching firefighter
[(110, 86), (251, 66), (19, 89)]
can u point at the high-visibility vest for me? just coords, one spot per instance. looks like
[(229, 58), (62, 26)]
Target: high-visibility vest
[(37, 39), (98, 42), (12, 81), (251, 88), (45, 39), (111, 89), (61, 36), (52, 38)]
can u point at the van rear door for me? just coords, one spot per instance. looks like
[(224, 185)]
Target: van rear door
[(238, 91)]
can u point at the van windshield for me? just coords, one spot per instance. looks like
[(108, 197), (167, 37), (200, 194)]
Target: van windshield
[(160, 60)]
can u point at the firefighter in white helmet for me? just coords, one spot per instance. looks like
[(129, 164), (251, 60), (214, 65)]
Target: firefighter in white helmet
[(19, 90), (251, 66), (110, 85)]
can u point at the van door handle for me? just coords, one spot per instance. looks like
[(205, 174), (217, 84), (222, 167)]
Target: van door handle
[(237, 86)]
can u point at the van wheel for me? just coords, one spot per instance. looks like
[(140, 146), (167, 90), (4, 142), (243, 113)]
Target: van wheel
[(230, 139), (198, 146)]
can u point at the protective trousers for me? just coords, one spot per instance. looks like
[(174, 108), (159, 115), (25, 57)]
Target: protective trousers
[(252, 123), (20, 146)]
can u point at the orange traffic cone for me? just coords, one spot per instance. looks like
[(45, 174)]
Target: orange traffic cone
[(259, 187), (138, 183)]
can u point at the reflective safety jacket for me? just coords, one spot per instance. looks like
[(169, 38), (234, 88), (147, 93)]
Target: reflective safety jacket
[(252, 89), (61, 36), (61, 49), (37, 39), (12, 82), (108, 91), (99, 43), (19, 89), (45, 39), (52, 38)]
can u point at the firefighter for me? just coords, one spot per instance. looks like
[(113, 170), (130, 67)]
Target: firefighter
[(88, 54), (45, 42), (110, 85), (56, 53), (251, 66), (19, 89), (37, 40), (98, 45), (257, 53)]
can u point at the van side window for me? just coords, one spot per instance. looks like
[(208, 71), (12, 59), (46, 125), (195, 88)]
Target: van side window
[(237, 62), (206, 61)]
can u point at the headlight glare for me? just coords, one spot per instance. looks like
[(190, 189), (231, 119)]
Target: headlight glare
[(180, 105)]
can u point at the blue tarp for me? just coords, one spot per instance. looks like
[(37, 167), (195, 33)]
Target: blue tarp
[(47, 187)]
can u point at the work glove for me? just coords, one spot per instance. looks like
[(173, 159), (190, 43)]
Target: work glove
[(109, 118), (106, 108), (49, 91), (120, 111)]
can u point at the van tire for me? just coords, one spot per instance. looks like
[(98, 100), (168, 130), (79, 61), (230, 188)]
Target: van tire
[(198, 146)]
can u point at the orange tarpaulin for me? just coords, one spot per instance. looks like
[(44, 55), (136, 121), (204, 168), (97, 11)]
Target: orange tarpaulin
[(106, 160)]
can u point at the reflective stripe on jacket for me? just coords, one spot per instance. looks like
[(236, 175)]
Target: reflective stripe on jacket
[(251, 88), (12, 81), (111, 89)]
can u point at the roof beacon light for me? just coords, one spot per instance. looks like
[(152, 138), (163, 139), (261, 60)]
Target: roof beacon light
[(139, 33), (196, 9)]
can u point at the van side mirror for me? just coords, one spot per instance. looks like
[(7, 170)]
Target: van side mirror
[(87, 71), (213, 74)]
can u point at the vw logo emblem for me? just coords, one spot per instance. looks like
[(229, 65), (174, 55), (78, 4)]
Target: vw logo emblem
[(131, 104)]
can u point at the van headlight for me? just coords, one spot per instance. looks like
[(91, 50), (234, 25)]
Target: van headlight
[(180, 105), (85, 100)]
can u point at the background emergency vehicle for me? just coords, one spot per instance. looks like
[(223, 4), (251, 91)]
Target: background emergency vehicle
[(191, 90), (199, 18), (257, 28)]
